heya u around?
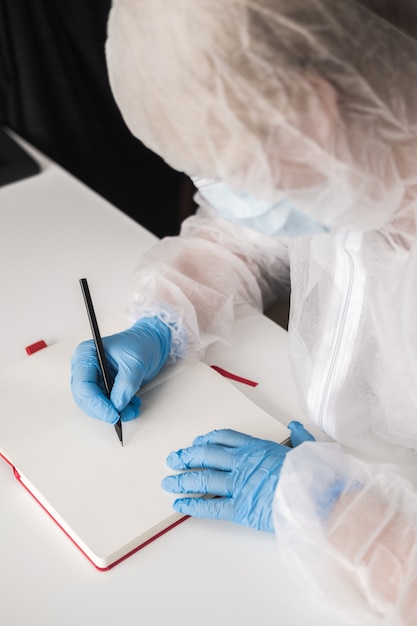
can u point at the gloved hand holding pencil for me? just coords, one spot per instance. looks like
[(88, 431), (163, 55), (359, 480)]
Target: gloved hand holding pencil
[(134, 356)]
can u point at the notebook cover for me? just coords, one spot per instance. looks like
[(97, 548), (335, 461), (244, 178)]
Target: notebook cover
[(105, 497)]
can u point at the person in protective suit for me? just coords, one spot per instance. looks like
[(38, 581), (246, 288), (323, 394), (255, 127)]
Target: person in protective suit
[(298, 123)]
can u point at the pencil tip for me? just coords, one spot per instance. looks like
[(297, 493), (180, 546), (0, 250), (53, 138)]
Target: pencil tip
[(119, 430)]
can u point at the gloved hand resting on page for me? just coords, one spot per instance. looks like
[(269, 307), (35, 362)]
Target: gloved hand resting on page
[(134, 356), (242, 470)]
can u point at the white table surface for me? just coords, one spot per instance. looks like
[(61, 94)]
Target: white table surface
[(53, 231)]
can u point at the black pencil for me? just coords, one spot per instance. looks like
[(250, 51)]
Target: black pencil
[(100, 350)]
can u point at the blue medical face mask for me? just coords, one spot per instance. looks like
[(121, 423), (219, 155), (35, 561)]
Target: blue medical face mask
[(278, 219)]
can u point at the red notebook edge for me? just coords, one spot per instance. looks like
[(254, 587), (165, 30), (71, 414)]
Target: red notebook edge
[(97, 567)]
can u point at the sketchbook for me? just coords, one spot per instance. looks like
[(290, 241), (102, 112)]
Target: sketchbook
[(105, 497)]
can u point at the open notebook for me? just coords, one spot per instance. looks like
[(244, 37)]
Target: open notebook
[(108, 498)]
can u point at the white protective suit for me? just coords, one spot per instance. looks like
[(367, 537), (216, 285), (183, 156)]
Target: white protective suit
[(316, 102)]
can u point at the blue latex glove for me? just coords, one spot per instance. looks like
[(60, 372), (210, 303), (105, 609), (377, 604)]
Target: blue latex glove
[(242, 470), (134, 356)]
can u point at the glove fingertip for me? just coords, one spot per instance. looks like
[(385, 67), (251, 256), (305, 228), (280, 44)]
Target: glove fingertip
[(132, 410), (121, 396), (299, 434), (173, 461), (169, 483), (108, 415), (97, 406), (184, 505), (128, 415)]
